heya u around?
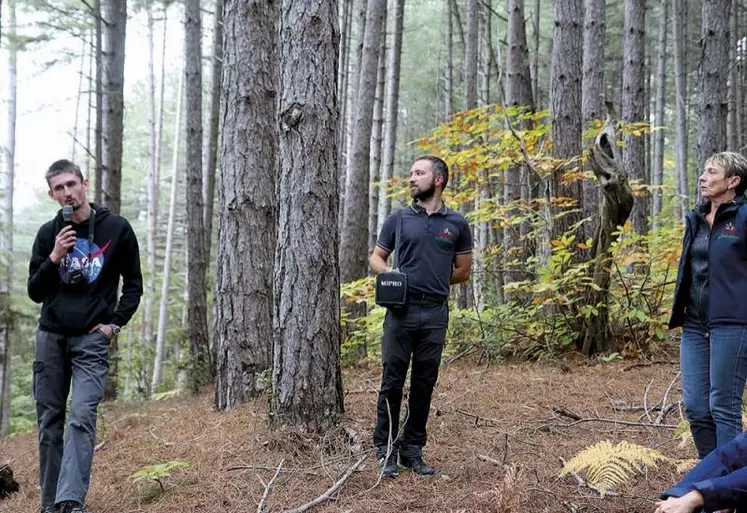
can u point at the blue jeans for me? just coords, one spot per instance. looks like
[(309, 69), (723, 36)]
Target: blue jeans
[(714, 368), (83, 361)]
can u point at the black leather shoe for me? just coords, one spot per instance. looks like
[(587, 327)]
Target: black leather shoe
[(412, 458), (388, 466)]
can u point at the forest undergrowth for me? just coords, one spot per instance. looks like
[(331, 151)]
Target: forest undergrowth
[(496, 432)]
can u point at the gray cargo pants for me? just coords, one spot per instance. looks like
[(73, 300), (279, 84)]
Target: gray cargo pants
[(65, 467)]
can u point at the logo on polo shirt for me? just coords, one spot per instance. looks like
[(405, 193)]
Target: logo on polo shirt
[(445, 235)]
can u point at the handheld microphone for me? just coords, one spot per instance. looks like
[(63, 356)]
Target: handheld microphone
[(67, 216)]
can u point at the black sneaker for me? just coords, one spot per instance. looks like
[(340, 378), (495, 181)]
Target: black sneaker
[(70, 507), (388, 466), (49, 509), (411, 457)]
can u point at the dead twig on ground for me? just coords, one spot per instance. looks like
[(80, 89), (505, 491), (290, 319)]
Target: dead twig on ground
[(565, 413), (649, 364), (326, 496), (645, 397), (665, 407), (268, 486), (616, 421)]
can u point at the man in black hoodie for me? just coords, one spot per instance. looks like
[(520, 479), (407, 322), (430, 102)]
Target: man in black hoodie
[(74, 273)]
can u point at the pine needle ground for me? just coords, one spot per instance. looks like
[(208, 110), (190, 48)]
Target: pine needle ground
[(493, 434)]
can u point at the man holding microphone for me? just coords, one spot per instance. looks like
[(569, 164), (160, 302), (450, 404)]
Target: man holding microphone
[(76, 264)]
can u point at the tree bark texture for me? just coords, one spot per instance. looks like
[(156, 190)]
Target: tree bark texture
[(518, 93), (714, 75), (211, 150), (6, 223), (732, 126), (249, 152), (471, 55), (591, 97), (565, 99), (633, 107), (679, 29), (659, 120), (354, 246), (391, 112), (201, 369), (307, 394), (114, 31), (377, 137), (112, 126), (99, 91), (153, 187)]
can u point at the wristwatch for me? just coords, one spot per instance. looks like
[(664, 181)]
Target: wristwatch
[(115, 329)]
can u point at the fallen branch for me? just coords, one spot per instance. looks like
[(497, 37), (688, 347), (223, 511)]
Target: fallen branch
[(621, 422), (649, 364), (268, 486), (565, 413), (326, 496)]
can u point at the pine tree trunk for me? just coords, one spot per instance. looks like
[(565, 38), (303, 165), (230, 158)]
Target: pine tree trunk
[(354, 244), (591, 101), (449, 71), (714, 74), (91, 103), (518, 94), (249, 152), (153, 187), (112, 125), (6, 224), (464, 294), (732, 126), (391, 112), (79, 94), (661, 88), (307, 391), (343, 77), (115, 14), (565, 100), (377, 135), (211, 151), (163, 308), (201, 369), (99, 88), (681, 93), (535, 57), (633, 108), (471, 55)]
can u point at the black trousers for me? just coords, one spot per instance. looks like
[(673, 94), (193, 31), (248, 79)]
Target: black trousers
[(416, 332)]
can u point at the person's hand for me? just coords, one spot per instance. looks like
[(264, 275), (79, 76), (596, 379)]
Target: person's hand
[(106, 329), (62, 244), (686, 504)]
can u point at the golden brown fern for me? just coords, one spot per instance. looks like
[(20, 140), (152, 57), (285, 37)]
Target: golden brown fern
[(608, 466)]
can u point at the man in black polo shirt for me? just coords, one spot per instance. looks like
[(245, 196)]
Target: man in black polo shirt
[(435, 251)]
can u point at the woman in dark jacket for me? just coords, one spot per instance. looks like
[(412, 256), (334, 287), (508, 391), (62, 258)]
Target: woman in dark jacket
[(709, 304), (717, 482)]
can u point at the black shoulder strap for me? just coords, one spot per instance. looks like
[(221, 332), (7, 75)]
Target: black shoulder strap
[(397, 239)]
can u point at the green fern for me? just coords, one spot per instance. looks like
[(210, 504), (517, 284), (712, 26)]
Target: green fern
[(608, 466), (158, 472)]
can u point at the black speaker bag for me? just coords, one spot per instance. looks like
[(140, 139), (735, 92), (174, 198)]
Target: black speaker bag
[(391, 286), (391, 289)]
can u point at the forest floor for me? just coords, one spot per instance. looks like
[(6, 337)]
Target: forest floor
[(497, 434)]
